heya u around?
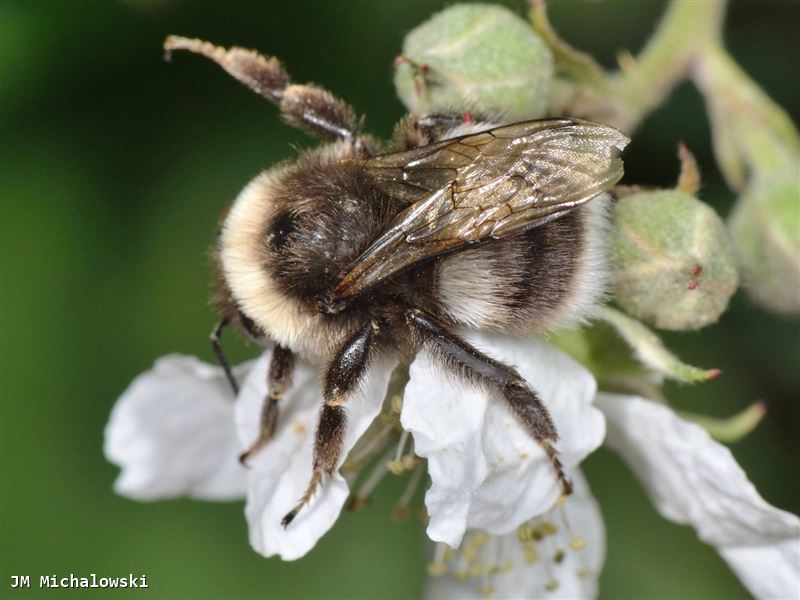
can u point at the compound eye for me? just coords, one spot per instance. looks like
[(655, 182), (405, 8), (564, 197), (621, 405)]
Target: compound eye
[(280, 230)]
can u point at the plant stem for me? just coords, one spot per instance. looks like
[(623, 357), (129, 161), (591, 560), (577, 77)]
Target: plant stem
[(624, 98), (752, 134), (685, 30)]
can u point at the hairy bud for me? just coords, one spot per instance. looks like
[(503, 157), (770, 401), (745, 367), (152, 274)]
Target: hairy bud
[(765, 226), (475, 57), (753, 137), (674, 264)]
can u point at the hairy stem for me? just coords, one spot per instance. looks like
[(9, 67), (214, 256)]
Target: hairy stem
[(685, 31), (624, 98), (752, 134)]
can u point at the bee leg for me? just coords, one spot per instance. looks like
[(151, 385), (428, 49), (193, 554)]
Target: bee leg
[(279, 379), (314, 109), (414, 131), (214, 338), (463, 359), (342, 376), (327, 447), (437, 124)]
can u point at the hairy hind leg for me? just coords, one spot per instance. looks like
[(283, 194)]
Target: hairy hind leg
[(464, 359), (279, 379), (342, 376)]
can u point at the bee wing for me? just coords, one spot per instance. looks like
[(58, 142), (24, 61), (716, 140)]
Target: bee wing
[(484, 186)]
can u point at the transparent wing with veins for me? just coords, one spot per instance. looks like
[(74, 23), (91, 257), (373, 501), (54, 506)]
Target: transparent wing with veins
[(484, 187)]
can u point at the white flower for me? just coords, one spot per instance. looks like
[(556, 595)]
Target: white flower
[(543, 557), (173, 433), (279, 473), (694, 480), (487, 472), (691, 480)]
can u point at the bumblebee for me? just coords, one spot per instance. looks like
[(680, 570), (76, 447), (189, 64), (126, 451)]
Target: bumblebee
[(360, 250)]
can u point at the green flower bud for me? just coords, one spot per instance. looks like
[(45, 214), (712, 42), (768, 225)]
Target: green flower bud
[(674, 264), (753, 137), (475, 57), (765, 226)]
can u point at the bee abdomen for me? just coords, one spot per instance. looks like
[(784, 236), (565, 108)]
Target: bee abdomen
[(547, 278)]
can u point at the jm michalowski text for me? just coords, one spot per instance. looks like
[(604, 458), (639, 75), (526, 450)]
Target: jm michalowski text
[(75, 581)]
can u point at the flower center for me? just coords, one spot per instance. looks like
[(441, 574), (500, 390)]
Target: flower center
[(390, 449), (544, 546)]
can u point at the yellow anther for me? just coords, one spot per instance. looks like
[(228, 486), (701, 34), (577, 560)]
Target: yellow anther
[(506, 566), (558, 557), (525, 532), (395, 467), (409, 461), (397, 403), (549, 528), (479, 538), (487, 590), (531, 554), (584, 573), (437, 569), (470, 552), (551, 585), (462, 576), (577, 543), (561, 500), (476, 570)]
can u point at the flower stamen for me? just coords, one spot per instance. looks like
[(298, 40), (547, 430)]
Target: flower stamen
[(438, 566), (397, 466), (547, 548), (575, 542), (401, 508), (488, 568), (371, 446), (361, 498)]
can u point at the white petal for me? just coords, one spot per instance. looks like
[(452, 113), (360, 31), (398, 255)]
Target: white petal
[(576, 576), (280, 472), (487, 472), (172, 433), (694, 480)]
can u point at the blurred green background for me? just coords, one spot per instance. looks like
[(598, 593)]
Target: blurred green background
[(114, 169)]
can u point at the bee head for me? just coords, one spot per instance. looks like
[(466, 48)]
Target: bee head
[(255, 232), (290, 236)]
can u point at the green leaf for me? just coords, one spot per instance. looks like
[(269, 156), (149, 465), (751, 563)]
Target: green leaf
[(650, 351)]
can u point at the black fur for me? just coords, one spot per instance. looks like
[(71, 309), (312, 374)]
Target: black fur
[(330, 213), (348, 366), (279, 379), (467, 362)]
